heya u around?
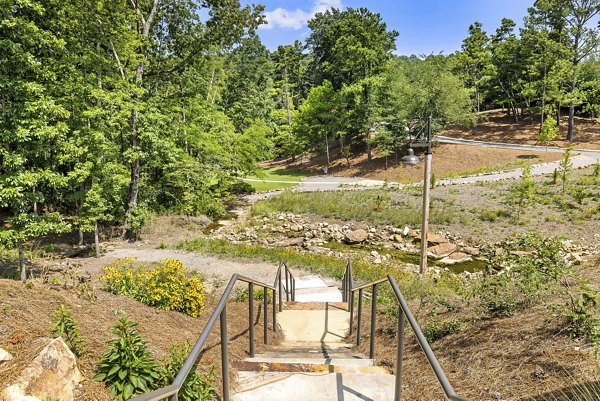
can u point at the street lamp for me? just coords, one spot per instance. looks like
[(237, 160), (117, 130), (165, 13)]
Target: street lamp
[(411, 159)]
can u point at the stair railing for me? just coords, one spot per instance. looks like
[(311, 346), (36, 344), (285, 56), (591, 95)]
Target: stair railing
[(290, 284), (404, 314), (171, 392)]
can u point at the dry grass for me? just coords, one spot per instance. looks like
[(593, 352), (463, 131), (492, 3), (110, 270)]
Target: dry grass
[(26, 316), (522, 357)]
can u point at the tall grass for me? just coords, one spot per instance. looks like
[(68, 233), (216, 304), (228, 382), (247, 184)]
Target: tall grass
[(379, 207)]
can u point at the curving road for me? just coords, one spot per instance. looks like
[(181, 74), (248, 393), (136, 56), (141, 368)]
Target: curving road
[(582, 158)]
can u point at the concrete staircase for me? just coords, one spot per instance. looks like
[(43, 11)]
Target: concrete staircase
[(313, 363)]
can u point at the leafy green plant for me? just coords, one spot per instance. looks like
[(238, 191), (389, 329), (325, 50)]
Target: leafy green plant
[(127, 367), (596, 172), (488, 215), (197, 386), (437, 329), (520, 270), (165, 286), (565, 167), (65, 326), (555, 176), (241, 294), (548, 132), (582, 320), (522, 193)]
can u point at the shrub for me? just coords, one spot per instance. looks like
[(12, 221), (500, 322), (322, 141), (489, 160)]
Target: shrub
[(65, 326), (440, 329), (488, 215), (165, 286), (127, 367), (582, 320), (196, 387), (241, 294), (520, 270)]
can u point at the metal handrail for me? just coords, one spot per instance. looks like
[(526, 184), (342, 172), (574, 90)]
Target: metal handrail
[(171, 391), (404, 314)]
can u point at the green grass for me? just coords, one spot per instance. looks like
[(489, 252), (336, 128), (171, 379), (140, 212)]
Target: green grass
[(410, 284), (379, 207), (291, 178)]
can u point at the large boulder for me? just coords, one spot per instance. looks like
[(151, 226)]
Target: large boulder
[(356, 236), (53, 373), (442, 250)]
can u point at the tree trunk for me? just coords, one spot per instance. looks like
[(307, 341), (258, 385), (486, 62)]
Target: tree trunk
[(135, 178), (369, 153), (327, 151), (97, 239), (80, 237), (22, 261)]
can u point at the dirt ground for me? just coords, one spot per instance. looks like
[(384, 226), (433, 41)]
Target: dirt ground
[(26, 316), (518, 358), (447, 160), (498, 126)]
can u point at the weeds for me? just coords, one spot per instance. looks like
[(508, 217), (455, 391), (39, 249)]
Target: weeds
[(65, 326)]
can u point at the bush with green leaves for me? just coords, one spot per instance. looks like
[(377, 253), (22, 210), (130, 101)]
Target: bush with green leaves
[(65, 326), (437, 329), (520, 269), (522, 193), (127, 367), (582, 314), (197, 386)]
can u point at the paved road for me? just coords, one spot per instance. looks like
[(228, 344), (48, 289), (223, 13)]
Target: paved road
[(582, 158)]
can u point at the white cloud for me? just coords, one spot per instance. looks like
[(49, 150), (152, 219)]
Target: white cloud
[(297, 19)]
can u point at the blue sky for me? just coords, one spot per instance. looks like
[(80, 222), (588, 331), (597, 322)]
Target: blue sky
[(425, 26)]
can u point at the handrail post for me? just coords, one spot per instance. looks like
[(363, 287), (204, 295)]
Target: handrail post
[(224, 356), (251, 317), (280, 295), (293, 289), (344, 286), (400, 355), (373, 320), (274, 312), (265, 316), (287, 284), (359, 318), (351, 310)]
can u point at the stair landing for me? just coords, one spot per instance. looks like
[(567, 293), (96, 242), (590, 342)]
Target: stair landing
[(314, 362)]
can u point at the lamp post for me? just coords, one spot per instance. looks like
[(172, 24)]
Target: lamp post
[(411, 159)]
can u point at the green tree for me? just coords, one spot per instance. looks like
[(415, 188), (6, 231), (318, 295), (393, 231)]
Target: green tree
[(32, 125), (549, 132), (318, 118)]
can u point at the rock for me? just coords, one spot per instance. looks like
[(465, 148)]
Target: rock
[(434, 239), (295, 227), (375, 254), (397, 238), (53, 373), (472, 251), (337, 236), (456, 257), (5, 356), (378, 261), (405, 231), (372, 230), (442, 250), (356, 236), (292, 242)]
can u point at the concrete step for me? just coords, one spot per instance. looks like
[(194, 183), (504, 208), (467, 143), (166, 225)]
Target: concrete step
[(249, 366), (338, 361), (318, 294), (262, 386), (310, 281), (312, 354), (290, 305), (327, 326)]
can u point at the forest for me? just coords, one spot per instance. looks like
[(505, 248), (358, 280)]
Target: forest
[(113, 111)]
